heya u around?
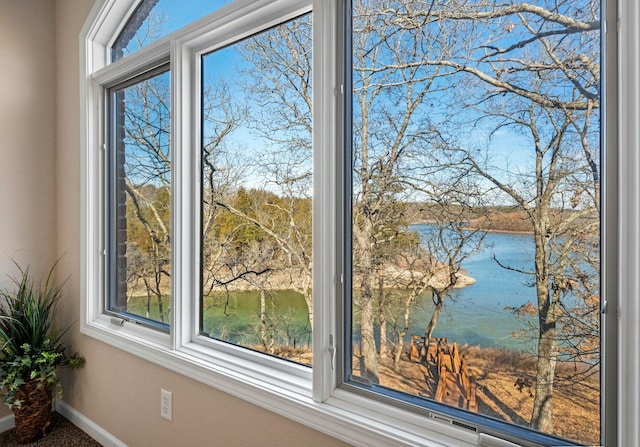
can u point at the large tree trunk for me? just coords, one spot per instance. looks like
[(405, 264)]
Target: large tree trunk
[(541, 417), (368, 351)]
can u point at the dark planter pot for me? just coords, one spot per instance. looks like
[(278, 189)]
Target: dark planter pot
[(34, 415)]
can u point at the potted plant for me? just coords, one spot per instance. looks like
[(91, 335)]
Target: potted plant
[(31, 351)]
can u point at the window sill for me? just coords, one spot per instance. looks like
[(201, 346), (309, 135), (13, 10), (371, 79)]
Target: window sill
[(284, 388)]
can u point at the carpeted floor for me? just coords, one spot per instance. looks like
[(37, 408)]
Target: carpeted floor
[(61, 433)]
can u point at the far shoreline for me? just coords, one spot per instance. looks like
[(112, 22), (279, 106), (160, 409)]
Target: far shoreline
[(486, 230)]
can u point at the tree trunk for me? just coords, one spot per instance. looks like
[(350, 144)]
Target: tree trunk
[(263, 319), (33, 416), (308, 293), (368, 351), (381, 316), (541, 417), (158, 293), (148, 303), (433, 322), (403, 332), (369, 361), (399, 348)]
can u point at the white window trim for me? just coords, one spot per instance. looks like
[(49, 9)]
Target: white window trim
[(311, 398), (628, 94)]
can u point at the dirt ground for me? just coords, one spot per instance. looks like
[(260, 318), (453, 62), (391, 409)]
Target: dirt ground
[(576, 406), (505, 384)]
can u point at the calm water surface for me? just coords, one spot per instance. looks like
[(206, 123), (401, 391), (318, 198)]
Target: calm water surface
[(476, 314)]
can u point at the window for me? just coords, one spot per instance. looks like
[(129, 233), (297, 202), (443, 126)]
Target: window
[(255, 186), (140, 199), (336, 208), (256, 192), (152, 20), (476, 211)]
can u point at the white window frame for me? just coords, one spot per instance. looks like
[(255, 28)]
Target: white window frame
[(312, 397)]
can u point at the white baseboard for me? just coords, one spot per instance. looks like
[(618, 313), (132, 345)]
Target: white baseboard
[(84, 423), (79, 420)]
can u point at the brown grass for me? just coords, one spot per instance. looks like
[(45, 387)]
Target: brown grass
[(576, 405), (497, 371), (576, 413)]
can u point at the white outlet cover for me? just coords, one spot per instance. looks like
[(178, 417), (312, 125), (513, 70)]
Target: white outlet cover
[(166, 410)]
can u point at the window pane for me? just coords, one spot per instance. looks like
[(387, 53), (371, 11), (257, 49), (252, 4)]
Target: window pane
[(154, 19), (476, 208), (256, 192), (140, 199)]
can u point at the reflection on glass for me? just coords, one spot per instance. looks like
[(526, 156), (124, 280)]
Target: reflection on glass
[(256, 192), (154, 19), (140, 199), (476, 208)]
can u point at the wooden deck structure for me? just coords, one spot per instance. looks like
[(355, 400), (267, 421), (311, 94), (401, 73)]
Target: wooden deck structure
[(456, 387)]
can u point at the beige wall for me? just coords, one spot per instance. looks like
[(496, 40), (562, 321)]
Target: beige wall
[(40, 221), (27, 136)]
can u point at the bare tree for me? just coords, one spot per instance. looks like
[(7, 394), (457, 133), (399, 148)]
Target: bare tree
[(533, 70), (276, 82), (394, 131), (143, 175), (449, 244)]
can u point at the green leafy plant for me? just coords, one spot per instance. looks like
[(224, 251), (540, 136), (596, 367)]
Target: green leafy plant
[(31, 346)]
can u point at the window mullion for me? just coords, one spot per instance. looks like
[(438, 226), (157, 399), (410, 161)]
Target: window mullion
[(185, 225), (326, 278), (627, 313)]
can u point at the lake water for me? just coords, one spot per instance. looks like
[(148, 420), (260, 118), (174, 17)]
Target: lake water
[(476, 314)]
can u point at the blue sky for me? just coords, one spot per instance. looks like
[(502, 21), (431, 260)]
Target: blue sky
[(512, 150), (175, 14)]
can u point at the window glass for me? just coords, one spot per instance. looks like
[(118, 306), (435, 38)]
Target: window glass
[(140, 199), (475, 278), (154, 19), (256, 192)]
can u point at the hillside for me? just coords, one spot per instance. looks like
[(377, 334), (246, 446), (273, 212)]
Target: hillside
[(498, 219)]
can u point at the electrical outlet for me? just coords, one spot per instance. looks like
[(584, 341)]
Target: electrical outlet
[(165, 404)]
